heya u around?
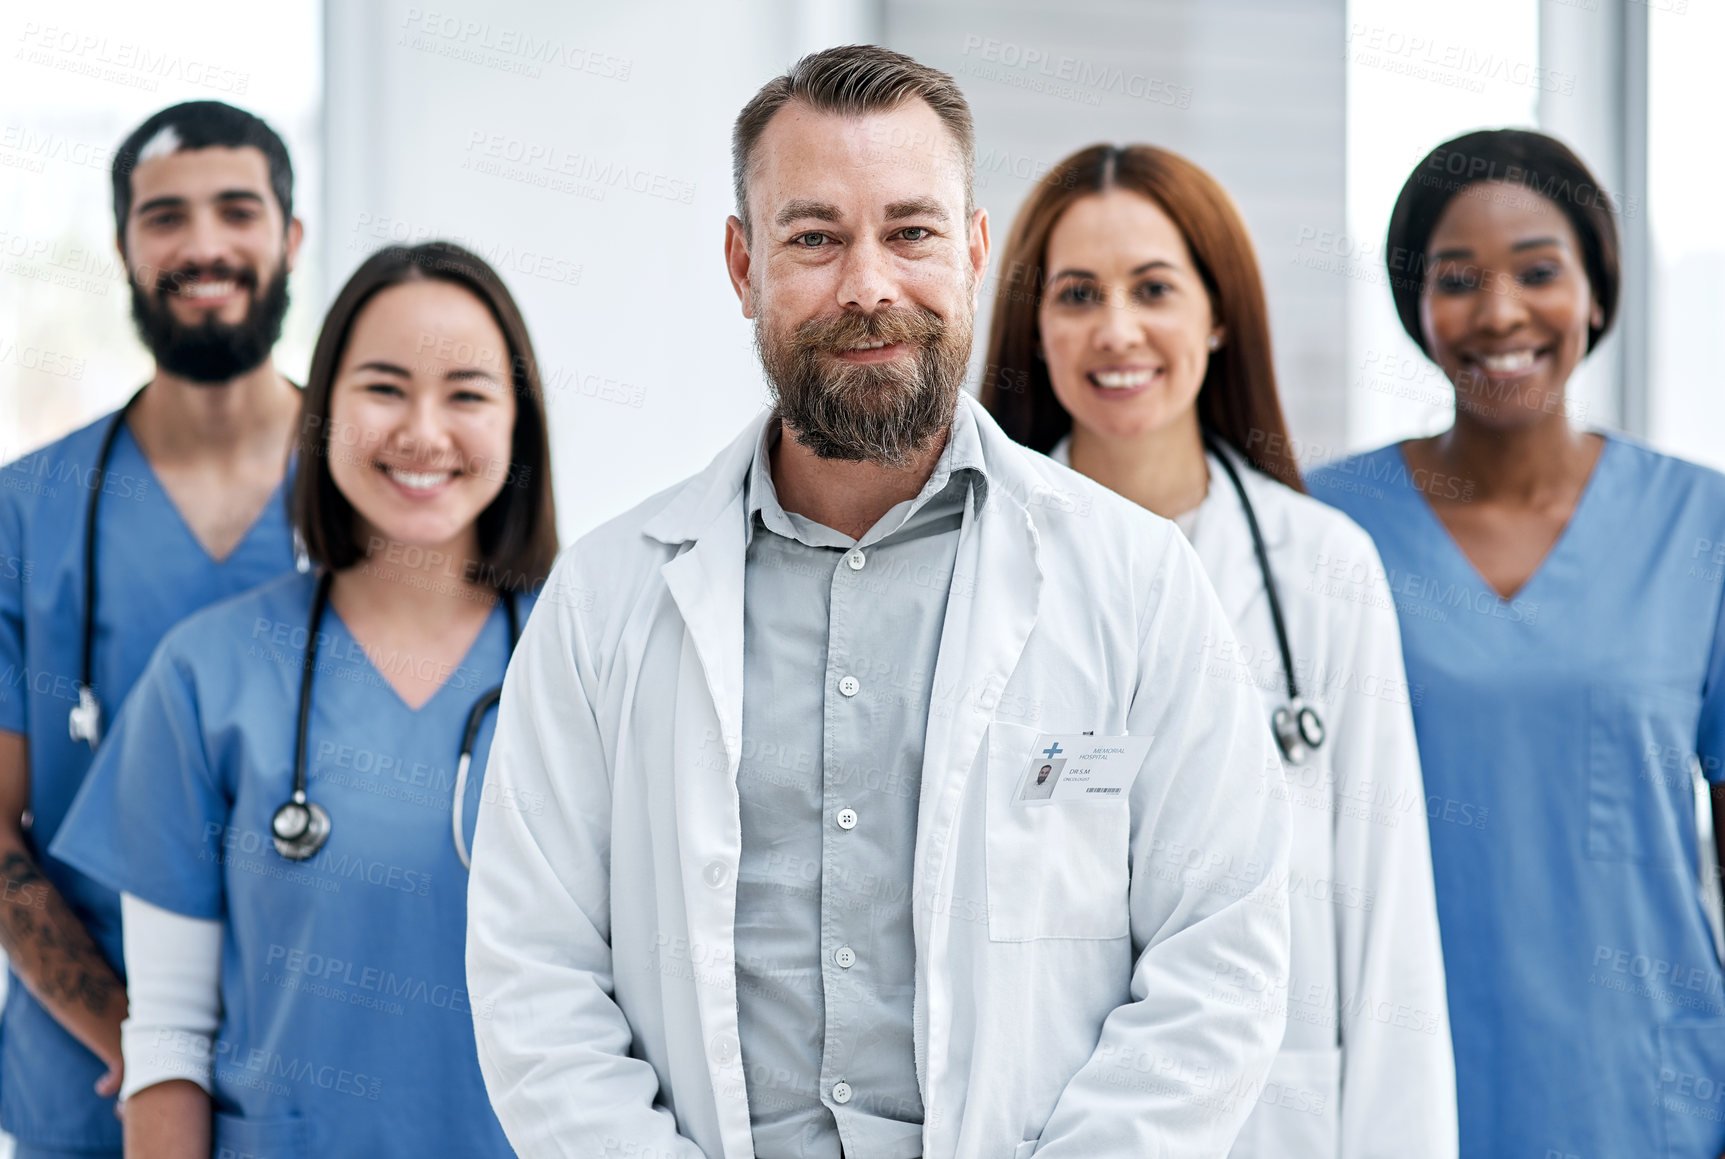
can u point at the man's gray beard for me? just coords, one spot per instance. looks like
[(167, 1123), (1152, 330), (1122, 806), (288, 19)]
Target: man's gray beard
[(879, 413)]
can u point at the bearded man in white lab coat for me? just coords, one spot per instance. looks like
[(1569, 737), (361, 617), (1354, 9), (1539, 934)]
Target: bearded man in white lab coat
[(782, 892)]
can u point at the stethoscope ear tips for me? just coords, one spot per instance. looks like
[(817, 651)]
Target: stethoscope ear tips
[(299, 829)]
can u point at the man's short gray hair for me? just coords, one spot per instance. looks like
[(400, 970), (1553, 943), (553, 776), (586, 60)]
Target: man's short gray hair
[(851, 80)]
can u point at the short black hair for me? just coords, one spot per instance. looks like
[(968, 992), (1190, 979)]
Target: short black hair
[(1542, 164), (203, 125)]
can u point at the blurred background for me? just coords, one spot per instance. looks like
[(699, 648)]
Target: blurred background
[(584, 150)]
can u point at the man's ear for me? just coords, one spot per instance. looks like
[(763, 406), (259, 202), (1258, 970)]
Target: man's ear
[(295, 235), (978, 252), (738, 263)]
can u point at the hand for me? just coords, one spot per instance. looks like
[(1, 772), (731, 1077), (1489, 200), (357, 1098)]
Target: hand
[(109, 1084)]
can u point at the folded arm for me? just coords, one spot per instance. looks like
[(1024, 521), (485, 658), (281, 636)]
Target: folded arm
[(46, 942), (174, 965)]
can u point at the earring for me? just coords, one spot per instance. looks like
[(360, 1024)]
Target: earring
[(1215, 343)]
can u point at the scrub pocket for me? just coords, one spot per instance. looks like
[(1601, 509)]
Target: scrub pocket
[(1691, 1088), (288, 1137), (1299, 1110), (1058, 870), (1640, 754)]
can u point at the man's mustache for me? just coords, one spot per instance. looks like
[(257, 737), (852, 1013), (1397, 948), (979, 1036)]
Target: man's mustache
[(851, 329), (170, 282)]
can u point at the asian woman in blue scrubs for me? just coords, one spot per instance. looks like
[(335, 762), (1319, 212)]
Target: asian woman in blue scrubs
[(1559, 590), (296, 961)]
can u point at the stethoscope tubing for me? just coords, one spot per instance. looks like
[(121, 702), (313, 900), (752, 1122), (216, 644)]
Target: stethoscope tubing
[(1297, 711), (85, 721), (469, 735)]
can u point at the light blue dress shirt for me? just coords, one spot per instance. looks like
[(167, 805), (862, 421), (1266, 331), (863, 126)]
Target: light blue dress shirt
[(840, 638)]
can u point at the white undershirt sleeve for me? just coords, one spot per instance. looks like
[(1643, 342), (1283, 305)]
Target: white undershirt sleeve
[(174, 995)]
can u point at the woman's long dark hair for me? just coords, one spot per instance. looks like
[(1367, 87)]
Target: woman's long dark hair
[(518, 529), (1238, 399)]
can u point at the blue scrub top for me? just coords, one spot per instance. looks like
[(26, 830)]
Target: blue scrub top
[(347, 1029), (151, 573), (1560, 732)]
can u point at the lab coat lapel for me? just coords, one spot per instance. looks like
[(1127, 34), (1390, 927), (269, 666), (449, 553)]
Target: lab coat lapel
[(1224, 546), (705, 581), (996, 591), (1223, 540)]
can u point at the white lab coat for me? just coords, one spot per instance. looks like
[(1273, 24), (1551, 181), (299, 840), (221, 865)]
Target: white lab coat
[(1087, 974), (1366, 1068)]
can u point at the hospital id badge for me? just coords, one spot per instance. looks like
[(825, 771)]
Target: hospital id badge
[(1080, 768)]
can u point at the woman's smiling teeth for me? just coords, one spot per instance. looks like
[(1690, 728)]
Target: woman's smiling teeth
[(1509, 362), (418, 480), (1121, 379)]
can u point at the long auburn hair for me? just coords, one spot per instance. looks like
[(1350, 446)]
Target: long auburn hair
[(1238, 399)]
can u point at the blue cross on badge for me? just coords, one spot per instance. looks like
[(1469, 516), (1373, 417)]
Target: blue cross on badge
[(1053, 750)]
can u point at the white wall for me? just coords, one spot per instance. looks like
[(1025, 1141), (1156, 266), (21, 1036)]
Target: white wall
[(1418, 75)]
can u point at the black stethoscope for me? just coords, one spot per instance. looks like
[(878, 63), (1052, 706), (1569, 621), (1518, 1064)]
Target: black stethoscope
[(301, 826), (84, 722), (1298, 727)]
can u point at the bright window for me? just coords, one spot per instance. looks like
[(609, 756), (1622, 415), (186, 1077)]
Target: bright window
[(1419, 73), (78, 76), (1686, 173)]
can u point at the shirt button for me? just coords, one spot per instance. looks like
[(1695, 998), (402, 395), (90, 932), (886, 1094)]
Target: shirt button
[(850, 686), (841, 1092), (714, 873), (845, 957), (847, 818), (856, 559)]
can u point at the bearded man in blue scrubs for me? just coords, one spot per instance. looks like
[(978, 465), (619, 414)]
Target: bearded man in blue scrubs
[(187, 511)]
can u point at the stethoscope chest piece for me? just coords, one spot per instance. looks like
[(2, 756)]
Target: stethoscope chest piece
[(300, 828), (1299, 731), (84, 722)]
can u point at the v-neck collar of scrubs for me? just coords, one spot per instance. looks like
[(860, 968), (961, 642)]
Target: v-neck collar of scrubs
[(180, 521), (1554, 555), (352, 644)]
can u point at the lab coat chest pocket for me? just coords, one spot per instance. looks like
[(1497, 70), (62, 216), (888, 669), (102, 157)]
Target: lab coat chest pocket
[(1640, 756), (237, 1137), (1055, 870)]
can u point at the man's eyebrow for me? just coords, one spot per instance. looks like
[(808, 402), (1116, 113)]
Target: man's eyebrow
[(175, 201), (802, 208), (917, 207)]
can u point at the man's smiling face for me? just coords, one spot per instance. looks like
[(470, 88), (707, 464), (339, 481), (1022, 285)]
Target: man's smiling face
[(861, 272)]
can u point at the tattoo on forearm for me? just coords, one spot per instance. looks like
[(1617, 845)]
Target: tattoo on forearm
[(49, 947)]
